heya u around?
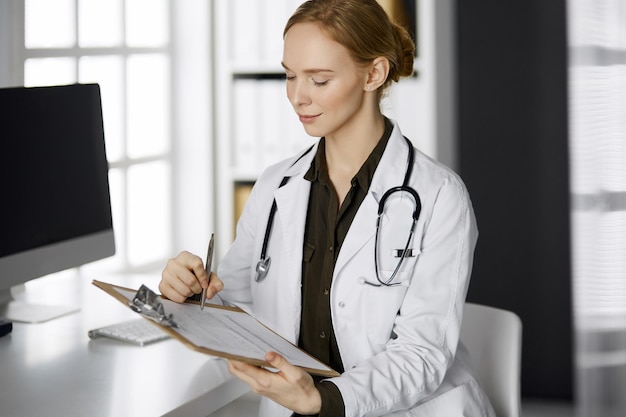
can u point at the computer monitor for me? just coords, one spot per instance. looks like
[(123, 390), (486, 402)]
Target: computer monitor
[(55, 211)]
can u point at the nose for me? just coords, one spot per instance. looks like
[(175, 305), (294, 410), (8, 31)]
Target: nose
[(297, 93)]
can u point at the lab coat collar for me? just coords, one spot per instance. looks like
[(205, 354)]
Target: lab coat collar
[(302, 162), (392, 166)]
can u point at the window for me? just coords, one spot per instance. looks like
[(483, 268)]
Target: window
[(597, 105), (123, 45)]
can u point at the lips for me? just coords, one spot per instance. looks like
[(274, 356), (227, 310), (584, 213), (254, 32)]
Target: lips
[(308, 118)]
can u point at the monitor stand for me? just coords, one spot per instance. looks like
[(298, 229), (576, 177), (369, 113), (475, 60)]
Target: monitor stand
[(25, 312)]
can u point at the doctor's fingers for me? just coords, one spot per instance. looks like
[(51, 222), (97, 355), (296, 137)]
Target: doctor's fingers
[(263, 381), (258, 378), (173, 287), (185, 274), (194, 264), (291, 373), (291, 386), (215, 285), (170, 292)]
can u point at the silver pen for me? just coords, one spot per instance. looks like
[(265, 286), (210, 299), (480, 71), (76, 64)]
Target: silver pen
[(207, 268)]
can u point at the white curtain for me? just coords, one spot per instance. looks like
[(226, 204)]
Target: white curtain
[(597, 124)]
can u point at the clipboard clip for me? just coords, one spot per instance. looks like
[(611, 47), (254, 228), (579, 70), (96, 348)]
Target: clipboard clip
[(147, 303)]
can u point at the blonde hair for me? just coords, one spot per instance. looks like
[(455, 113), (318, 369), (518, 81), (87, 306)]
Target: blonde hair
[(364, 28)]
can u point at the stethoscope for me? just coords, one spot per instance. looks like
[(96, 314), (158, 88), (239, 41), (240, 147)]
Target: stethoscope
[(263, 265)]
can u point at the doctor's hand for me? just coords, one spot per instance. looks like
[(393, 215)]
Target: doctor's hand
[(185, 276), (291, 387)]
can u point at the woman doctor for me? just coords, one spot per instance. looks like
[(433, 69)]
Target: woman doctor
[(382, 304)]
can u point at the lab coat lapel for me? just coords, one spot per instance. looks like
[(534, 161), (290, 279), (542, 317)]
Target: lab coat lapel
[(291, 203), (389, 173), (361, 230)]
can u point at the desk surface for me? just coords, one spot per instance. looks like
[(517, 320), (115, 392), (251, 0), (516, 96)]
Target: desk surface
[(54, 369)]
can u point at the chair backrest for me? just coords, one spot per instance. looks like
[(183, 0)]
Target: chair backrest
[(493, 338)]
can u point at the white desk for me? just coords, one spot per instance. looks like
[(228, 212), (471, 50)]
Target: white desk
[(54, 369)]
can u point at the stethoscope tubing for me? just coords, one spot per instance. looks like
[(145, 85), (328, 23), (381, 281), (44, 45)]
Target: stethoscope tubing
[(263, 265)]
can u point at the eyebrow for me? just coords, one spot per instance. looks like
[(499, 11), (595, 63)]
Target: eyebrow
[(308, 71)]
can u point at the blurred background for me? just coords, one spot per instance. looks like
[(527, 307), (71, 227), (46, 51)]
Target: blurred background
[(525, 99)]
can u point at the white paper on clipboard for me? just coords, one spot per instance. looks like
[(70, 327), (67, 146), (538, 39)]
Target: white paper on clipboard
[(225, 332)]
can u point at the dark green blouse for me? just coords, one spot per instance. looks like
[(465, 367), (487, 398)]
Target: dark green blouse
[(326, 227)]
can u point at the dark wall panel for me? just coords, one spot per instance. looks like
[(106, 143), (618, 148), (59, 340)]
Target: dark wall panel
[(512, 124)]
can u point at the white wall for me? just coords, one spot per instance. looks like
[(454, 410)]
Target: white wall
[(193, 147)]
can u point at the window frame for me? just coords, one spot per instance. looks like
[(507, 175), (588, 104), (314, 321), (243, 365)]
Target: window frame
[(190, 153)]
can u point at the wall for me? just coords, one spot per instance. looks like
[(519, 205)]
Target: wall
[(512, 124)]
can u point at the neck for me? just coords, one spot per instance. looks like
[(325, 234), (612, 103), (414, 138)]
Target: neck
[(346, 151)]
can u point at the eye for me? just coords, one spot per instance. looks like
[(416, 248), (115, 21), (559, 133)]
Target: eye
[(320, 83), (290, 77)]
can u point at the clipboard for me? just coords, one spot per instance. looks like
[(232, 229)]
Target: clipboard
[(222, 331)]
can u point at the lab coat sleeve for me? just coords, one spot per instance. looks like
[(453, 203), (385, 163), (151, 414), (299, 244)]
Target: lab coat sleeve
[(413, 364)]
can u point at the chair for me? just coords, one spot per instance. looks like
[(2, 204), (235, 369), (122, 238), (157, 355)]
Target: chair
[(493, 338)]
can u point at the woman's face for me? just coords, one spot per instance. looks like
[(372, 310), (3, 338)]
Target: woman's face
[(324, 84)]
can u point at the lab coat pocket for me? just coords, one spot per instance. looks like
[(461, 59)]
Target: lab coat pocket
[(395, 265), (394, 268), (382, 307)]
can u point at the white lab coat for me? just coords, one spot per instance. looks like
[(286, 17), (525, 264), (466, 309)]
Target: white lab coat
[(398, 344)]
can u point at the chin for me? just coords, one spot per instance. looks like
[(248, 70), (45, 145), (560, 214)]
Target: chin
[(314, 132)]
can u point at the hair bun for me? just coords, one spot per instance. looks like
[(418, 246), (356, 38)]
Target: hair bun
[(405, 53)]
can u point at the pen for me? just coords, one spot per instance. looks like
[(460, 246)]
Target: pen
[(207, 268)]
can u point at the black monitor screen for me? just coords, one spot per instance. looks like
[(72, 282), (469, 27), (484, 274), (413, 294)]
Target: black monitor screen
[(53, 169)]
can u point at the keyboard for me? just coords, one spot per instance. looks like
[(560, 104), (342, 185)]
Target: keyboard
[(137, 331)]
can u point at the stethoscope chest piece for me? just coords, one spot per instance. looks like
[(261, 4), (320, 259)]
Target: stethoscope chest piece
[(261, 268)]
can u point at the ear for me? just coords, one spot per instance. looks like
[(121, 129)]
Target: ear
[(377, 73)]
